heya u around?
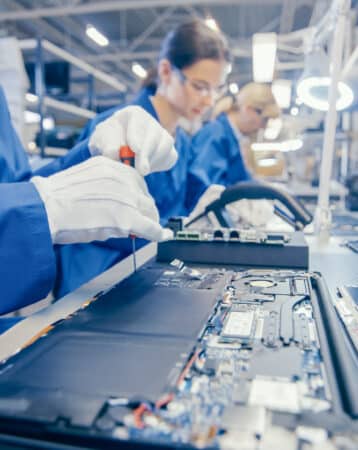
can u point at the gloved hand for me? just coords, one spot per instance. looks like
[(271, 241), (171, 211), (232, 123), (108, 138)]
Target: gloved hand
[(212, 193), (253, 213), (134, 127), (97, 200)]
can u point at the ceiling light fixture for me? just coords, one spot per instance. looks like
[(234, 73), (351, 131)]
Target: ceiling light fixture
[(211, 23), (284, 146), (314, 93), (264, 46), (31, 98), (139, 70), (233, 88), (313, 86), (281, 90), (96, 36)]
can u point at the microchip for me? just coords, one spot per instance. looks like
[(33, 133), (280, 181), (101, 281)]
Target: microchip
[(275, 394), (239, 324)]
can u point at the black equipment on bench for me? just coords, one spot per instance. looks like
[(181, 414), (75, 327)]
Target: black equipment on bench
[(254, 190)]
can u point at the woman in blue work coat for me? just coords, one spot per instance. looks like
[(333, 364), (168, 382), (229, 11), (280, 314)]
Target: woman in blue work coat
[(216, 148), (191, 72)]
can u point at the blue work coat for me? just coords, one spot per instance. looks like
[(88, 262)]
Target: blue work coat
[(216, 157), (27, 268)]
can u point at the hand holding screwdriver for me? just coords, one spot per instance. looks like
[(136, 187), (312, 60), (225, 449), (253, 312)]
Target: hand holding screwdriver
[(133, 127)]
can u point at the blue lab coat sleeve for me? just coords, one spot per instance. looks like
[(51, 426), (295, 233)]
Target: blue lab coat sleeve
[(27, 269), (76, 155), (14, 165), (217, 160)]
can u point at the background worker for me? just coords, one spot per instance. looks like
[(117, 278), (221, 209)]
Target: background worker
[(217, 148)]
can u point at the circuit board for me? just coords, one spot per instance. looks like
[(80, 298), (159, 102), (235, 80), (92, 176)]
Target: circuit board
[(347, 308), (190, 357), (247, 247)]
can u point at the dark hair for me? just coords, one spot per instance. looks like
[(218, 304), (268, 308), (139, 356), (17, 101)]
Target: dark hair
[(190, 42)]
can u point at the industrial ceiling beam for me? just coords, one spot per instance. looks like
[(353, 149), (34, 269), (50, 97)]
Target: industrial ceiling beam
[(121, 55), (241, 50), (42, 27), (271, 26), (152, 27), (94, 7), (287, 16)]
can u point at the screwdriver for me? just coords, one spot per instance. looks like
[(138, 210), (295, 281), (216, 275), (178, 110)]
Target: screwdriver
[(127, 157)]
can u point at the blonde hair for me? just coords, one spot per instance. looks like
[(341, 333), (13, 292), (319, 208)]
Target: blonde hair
[(256, 95)]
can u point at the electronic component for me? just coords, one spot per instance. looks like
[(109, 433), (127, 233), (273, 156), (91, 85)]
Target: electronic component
[(352, 196), (239, 324), (189, 357), (276, 395), (234, 246), (347, 308), (176, 224), (250, 419)]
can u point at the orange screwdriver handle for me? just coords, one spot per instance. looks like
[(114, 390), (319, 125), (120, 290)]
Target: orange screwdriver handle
[(126, 156)]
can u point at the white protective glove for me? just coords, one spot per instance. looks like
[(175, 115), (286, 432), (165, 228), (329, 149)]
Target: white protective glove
[(97, 200), (134, 127), (254, 213), (212, 193)]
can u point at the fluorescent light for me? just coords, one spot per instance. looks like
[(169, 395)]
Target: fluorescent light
[(48, 123), (139, 70), (284, 146), (281, 90), (31, 98), (291, 145), (31, 145), (273, 129), (264, 46), (265, 146), (96, 36), (32, 117), (313, 86), (233, 88), (314, 93), (294, 111), (267, 162), (211, 23)]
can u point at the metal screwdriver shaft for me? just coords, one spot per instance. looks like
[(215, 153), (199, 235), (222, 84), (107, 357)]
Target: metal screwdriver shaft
[(127, 157)]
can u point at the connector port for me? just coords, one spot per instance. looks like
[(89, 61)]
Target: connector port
[(218, 234), (193, 235), (234, 234)]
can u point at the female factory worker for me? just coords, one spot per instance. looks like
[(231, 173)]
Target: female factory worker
[(191, 70), (94, 200), (217, 157)]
